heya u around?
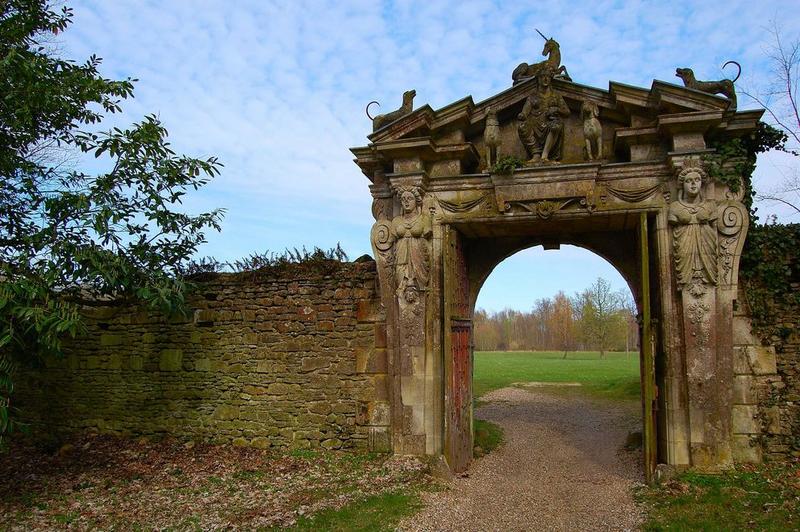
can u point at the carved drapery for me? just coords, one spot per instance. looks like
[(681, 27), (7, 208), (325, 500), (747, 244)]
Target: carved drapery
[(403, 249), (694, 221)]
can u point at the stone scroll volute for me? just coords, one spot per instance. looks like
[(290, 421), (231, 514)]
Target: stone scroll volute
[(732, 225)]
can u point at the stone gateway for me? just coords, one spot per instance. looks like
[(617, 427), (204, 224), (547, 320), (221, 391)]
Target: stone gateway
[(621, 172)]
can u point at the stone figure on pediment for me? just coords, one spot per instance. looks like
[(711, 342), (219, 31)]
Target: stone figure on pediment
[(541, 122), (412, 230), (694, 221)]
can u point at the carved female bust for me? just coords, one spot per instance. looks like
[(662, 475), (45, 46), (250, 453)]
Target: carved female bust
[(695, 233), (412, 229)]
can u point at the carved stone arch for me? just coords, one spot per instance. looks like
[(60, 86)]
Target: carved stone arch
[(625, 207)]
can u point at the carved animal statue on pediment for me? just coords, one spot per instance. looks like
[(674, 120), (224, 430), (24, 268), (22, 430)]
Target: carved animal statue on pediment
[(381, 120), (723, 86), (491, 137), (592, 131), (552, 50)]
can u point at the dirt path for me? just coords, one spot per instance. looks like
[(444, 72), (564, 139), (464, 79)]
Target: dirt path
[(561, 468)]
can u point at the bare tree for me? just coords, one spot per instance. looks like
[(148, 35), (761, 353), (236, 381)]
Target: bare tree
[(563, 322), (779, 96), (600, 313)]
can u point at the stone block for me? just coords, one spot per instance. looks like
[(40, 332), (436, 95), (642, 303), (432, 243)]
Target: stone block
[(170, 360), (254, 390), (226, 412), (333, 443), (115, 362), (762, 360), (314, 363), (366, 310), (754, 360), (688, 141), (744, 390), (741, 363), (109, 339), (92, 362), (379, 440), (741, 331), (745, 419), (773, 420), (378, 413), (746, 450), (136, 362), (202, 364), (381, 387), (260, 442), (369, 360), (148, 338), (205, 316), (279, 388), (265, 366), (380, 335), (240, 442)]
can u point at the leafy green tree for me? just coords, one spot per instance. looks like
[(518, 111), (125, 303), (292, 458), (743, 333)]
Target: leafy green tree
[(67, 235)]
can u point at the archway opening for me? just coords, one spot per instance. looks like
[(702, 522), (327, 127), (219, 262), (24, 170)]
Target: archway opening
[(557, 364)]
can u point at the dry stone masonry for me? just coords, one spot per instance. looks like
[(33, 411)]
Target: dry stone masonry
[(285, 362)]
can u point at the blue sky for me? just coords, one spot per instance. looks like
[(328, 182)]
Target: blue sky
[(277, 89)]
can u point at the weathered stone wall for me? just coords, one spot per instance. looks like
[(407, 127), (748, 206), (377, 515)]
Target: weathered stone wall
[(289, 361), (767, 388)]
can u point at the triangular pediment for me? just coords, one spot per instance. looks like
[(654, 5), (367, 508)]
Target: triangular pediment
[(620, 99), (637, 122)]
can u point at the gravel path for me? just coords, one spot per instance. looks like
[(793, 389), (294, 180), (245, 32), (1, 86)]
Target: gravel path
[(562, 467)]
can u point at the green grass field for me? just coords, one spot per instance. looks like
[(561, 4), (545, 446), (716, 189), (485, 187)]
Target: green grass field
[(614, 377)]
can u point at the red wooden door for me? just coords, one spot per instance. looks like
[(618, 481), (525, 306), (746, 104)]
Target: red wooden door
[(457, 354)]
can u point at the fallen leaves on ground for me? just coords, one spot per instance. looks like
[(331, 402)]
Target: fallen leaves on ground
[(118, 483)]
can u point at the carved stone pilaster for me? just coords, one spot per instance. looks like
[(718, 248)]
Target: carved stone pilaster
[(402, 248)]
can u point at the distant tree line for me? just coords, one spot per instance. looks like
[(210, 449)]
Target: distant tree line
[(596, 319)]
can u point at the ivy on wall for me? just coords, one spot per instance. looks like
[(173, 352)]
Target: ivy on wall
[(770, 261), (770, 265)]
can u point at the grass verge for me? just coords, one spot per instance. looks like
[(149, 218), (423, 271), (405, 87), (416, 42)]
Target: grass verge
[(764, 497), (488, 436)]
